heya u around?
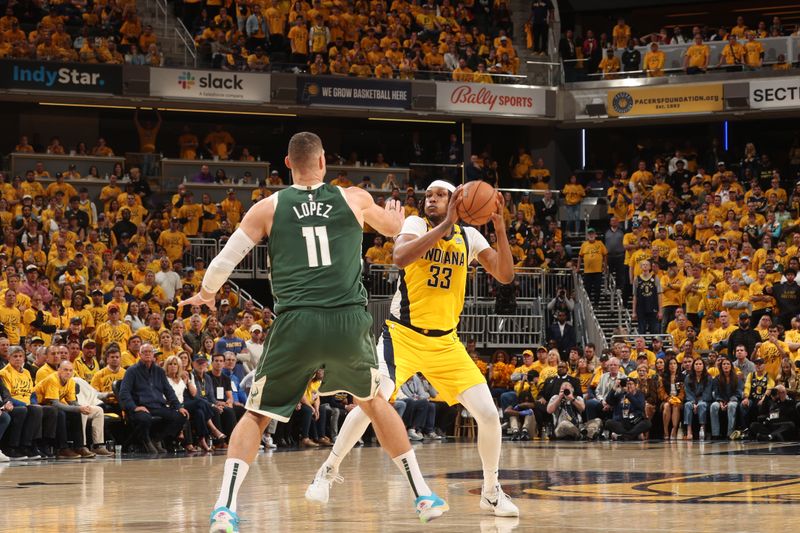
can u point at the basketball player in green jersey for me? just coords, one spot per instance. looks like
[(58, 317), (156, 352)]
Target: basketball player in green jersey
[(315, 233)]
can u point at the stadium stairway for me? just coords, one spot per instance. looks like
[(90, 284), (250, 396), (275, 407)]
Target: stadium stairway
[(539, 75), (153, 12)]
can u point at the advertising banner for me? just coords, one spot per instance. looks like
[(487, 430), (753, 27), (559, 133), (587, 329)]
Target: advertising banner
[(353, 92), (61, 77), (775, 93), (670, 100), (209, 85), (488, 98)]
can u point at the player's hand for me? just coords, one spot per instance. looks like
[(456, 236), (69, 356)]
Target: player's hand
[(396, 211), (498, 220), (198, 299), (452, 212)]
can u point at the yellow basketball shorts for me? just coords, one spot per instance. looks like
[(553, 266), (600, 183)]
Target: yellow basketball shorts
[(442, 360)]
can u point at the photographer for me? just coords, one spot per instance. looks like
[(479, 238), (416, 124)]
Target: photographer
[(599, 406), (524, 410), (628, 421), (561, 302), (566, 409), (780, 421)]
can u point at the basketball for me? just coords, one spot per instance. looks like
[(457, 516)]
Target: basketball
[(477, 203)]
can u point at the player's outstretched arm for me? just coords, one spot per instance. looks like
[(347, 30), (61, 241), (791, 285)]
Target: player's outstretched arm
[(500, 263), (410, 247), (254, 226), (387, 220)]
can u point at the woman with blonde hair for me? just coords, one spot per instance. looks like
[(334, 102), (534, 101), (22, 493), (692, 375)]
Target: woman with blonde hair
[(178, 379)]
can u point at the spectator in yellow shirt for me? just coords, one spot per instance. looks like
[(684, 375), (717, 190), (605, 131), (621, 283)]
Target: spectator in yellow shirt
[(696, 59), (610, 65), (654, 61), (594, 258), (732, 55), (754, 52), (298, 38), (574, 193), (621, 34)]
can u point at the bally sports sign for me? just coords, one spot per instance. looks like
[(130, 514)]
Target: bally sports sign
[(490, 99), (209, 85)]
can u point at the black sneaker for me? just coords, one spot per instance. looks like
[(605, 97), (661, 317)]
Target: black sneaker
[(524, 435), (32, 453), (515, 436), (16, 454)]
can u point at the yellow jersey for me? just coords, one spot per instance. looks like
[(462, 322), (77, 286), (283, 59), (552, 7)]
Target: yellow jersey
[(105, 378), (430, 294)]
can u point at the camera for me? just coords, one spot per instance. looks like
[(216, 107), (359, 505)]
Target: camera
[(567, 393), (773, 393), (623, 382), (797, 363)]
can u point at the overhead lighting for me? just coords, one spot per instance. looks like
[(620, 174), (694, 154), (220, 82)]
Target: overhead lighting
[(101, 106), (221, 112), (413, 120)]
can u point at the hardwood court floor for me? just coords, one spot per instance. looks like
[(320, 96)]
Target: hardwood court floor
[(560, 487)]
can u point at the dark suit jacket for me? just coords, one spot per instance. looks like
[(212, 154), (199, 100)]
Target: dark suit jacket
[(565, 341)]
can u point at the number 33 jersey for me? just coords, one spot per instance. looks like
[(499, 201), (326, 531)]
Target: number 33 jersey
[(315, 249), (430, 293)]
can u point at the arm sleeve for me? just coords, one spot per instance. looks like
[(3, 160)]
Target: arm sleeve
[(237, 247), (477, 243)]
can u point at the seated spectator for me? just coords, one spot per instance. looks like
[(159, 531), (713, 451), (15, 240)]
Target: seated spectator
[(727, 389), (628, 421), (420, 413), (599, 406), (524, 410), (202, 404), (145, 393), (779, 422), (698, 394), (26, 433), (756, 387), (60, 391), (103, 380)]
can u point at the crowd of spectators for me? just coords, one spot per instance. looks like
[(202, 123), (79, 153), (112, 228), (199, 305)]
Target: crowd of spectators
[(399, 39), (78, 31), (634, 393), (613, 55)]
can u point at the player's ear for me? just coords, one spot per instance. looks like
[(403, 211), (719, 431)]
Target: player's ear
[(287, 162), (321, 160)]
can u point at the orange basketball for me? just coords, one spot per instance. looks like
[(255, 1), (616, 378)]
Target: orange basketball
[(477, 203)]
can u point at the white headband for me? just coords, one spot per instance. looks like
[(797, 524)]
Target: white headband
[(443, 184)]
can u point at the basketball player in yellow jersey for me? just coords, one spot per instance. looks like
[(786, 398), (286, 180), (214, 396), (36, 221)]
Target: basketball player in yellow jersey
[(434, 254)]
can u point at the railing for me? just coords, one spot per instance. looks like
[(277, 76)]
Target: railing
[(379, 309), (254, 265), (586, 323), (514, 331), (618, 306), (189, 47), (675, 54), (665, 338), (543, 73), (532, 283), (160, 12)]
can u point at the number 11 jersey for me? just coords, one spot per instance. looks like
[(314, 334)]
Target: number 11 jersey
[(430, 293), (315, 249)]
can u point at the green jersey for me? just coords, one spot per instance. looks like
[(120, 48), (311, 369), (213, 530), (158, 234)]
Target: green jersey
[(315, 250)]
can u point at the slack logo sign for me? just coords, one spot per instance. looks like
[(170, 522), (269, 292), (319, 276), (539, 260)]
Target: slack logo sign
[(64, 77)]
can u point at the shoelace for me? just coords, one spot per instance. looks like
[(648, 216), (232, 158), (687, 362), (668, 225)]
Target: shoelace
[(332, 477)]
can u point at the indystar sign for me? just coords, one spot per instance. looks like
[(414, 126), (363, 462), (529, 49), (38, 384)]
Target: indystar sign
[(209, 85), (44, 76)]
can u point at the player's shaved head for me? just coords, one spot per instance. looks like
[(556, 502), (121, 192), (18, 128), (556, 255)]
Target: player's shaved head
[(305, 149)]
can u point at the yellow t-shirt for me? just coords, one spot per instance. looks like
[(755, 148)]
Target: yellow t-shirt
[(51, 389), (698, 55), (593, 254), (19, 384)]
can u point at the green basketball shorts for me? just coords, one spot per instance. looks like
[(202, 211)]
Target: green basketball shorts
[(300, 342)]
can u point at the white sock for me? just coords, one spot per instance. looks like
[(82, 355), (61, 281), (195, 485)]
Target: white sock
[(407, 463), (355, 424), (232, 478), (479, 403)]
